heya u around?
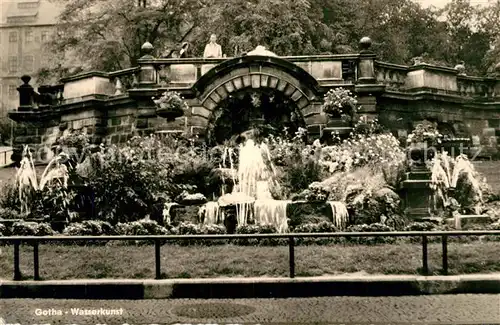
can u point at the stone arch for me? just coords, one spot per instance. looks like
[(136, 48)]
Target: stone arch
[(254, 72)]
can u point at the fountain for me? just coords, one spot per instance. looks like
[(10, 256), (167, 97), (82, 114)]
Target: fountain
[(254, 178)]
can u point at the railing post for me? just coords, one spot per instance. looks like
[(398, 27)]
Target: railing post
[(17, 268), (157, 259), (36, 264), (444, 242), (291, 251), (425, 266)]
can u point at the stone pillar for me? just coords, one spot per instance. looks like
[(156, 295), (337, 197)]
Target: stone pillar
[(26, 95), (366, 68), (147, 75)]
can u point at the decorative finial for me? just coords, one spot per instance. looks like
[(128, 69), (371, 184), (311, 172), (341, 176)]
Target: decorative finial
[(147, 48), (365, 43), (497, 67), (26, 79), (460, 68)]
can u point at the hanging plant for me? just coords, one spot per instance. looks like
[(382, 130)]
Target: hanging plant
[(170, 105), (340, 103)]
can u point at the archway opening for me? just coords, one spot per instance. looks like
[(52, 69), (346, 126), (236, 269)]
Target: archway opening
[(268, 110)]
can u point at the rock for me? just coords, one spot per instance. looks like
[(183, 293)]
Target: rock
[(302, 196), (191, 199), (234, 198), (303, 212), (188, 214), (386, 193)]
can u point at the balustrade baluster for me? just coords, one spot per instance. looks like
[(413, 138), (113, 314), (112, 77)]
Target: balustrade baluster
[(118, 86)]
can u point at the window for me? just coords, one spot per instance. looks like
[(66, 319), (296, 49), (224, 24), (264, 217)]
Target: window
[(45, 36), (13, 64), (27, 5), (29, 36), (29, 63), (12, 91), (13, 37)]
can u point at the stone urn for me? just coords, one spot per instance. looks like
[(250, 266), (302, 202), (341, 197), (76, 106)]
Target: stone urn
[(336, 125), (168, 112), (420, 153)]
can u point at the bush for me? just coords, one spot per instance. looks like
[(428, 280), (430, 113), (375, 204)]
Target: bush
[(420, 226), (374, 227), (321, 227), (141, 228), (31, 229), (186, 228), (10, 197), (89, 228), (296, 163), (10, 214), (258, 229)]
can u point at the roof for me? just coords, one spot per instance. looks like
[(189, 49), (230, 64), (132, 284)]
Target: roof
[(29, 12)]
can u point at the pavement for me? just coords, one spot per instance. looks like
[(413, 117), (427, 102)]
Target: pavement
[(220, 288), (430, 309)]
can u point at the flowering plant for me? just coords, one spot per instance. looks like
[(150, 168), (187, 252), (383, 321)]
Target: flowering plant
[(171, 100), (425, 132), (340, 102), (362, 150)]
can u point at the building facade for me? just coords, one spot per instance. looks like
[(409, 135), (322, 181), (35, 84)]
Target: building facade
[(25, 27)]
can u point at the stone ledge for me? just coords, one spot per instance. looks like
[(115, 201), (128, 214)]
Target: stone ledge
[(341, 285)]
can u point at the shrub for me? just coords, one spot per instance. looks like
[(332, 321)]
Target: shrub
[(89, 228), (10, 197), (128, 180), (258, 229), (366, 194), (321, 227), (32, 229), (141, 228), (378, 151), (420, 226), (295, 162), (186, 228), (10, 214), (374, 227)]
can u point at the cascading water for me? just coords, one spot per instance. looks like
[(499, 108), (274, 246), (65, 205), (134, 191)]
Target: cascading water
[(339, 213), (211, 213), (166, 212), (251, 194), (272, 212), (227, 160), (251, 168)]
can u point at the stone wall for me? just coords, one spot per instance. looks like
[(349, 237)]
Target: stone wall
[(480, 124)]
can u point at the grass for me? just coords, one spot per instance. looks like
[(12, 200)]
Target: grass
[(137, 262)]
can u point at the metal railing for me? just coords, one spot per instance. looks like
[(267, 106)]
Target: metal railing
[(17, 240)]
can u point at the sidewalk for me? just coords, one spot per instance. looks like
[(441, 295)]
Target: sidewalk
[(376, 285)]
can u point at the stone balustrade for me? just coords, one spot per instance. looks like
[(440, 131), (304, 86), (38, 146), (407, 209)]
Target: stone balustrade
[(435, 80), (113, 105)]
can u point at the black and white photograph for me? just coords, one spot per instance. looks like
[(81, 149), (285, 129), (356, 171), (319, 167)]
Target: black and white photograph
[(249, 162)]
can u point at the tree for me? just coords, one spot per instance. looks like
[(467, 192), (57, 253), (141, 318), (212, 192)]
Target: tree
[(281, 26), (108, 35), (468, 42)]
